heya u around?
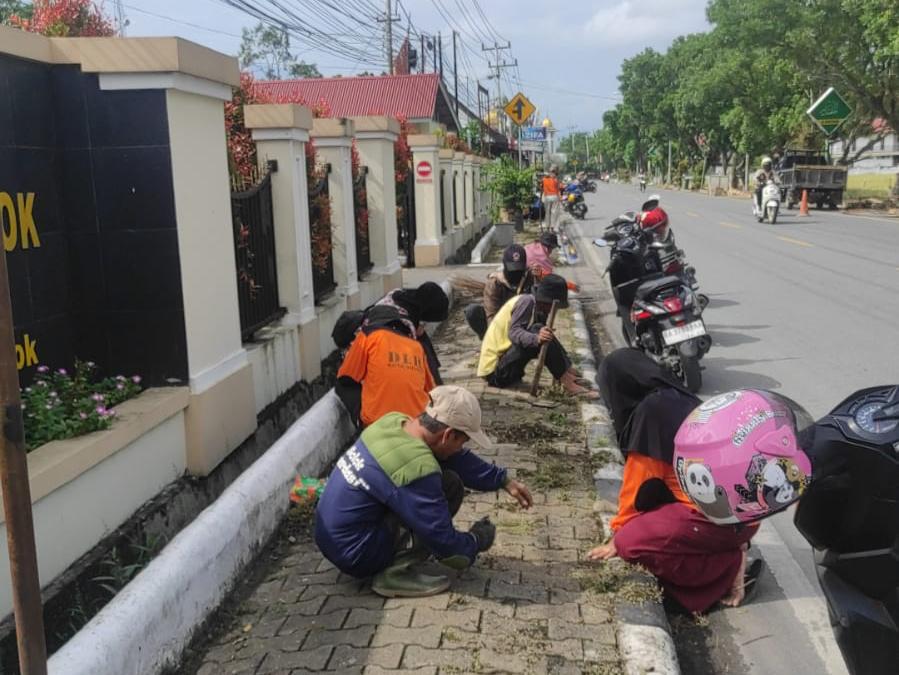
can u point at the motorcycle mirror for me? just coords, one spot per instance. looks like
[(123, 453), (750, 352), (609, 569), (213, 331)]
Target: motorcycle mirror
[(602, 243)]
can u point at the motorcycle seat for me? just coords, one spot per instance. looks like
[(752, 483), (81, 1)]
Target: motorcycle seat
[(653, 286)]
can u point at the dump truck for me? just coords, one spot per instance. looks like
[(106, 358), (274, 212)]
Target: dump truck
[(811, 170)]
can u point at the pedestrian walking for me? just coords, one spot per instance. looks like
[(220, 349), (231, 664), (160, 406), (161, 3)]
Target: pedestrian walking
[(551, 194)]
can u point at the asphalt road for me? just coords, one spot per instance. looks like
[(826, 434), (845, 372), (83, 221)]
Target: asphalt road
[(809, 308)]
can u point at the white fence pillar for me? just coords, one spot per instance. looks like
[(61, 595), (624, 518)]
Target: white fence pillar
[(334, 143), (375, 138), (281, 132), (426, 164)]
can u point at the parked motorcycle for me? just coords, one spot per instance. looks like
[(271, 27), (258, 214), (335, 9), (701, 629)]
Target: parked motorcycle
[(770, 203), (850, 515), (660, 313), (573, 201), (673, 259), (588, 185)]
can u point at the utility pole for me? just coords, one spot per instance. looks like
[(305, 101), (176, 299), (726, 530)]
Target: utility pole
[(669, 162), (455, 73), (497, 66), (388, 20), (421, 63), (120, 19), (26, 587), (440, 53)]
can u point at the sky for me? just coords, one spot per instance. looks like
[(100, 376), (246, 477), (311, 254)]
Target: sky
[(568, 57)]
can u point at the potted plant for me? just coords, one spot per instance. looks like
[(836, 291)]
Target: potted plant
[(512, 189)]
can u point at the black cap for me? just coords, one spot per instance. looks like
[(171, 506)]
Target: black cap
[(433, 302), (515, 259), (552, 287), (549, 239)]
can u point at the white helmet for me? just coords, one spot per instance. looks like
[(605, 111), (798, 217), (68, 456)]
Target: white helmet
[(767, 160)]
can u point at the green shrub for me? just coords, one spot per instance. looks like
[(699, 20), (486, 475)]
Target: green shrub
[(512, 188)]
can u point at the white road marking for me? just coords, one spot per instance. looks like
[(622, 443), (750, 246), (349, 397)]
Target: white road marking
[(805, 600)]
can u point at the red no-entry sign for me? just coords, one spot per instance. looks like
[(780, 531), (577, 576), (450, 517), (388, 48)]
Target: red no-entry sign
[(423, 172)]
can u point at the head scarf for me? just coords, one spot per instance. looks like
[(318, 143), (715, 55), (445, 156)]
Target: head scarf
[(646, 403)]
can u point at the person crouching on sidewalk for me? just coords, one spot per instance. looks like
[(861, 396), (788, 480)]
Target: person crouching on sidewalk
[(499, 288), (517, 333), (407, 476)]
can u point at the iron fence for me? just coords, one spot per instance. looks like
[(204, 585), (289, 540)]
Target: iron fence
[(406, 224), (442, 202), (254, 247), (322, 242), (360, 212)]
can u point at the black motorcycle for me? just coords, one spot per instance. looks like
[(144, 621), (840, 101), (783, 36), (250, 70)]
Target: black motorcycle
[(850, 515), (660, 313), (573, 202)]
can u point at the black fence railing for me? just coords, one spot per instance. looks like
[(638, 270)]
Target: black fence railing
[(455, 198), (406, 230), (442, 201), (254, 247), (322, 242), (360, 212)]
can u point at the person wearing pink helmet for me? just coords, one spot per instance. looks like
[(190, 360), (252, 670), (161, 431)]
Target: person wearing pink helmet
[(738, 458)]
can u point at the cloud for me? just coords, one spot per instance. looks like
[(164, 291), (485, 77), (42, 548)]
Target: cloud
[(645, 23)]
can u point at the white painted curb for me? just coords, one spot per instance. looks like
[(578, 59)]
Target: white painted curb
[(482, 249), (644, 648), (147, 626)]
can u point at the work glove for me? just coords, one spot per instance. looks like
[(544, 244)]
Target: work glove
[(484, 533)]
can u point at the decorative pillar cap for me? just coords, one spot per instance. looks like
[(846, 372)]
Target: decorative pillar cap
[(332, 127), (376, 125), (446, 153), (277, 116)]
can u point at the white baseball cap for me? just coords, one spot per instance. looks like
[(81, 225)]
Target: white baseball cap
[(458, 409)]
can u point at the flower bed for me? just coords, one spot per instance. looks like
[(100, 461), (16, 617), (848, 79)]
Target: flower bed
[(62, 405)]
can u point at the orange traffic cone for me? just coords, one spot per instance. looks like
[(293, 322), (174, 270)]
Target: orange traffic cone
[(803, 204)]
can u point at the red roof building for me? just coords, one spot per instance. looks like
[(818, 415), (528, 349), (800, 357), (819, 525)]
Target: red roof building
[(418, 98)]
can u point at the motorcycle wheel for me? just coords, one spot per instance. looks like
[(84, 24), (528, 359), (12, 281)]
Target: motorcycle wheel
[(772, 214), (703, 300), (691, 373)]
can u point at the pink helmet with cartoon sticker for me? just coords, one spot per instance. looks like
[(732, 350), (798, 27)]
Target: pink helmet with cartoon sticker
[(741, 456)]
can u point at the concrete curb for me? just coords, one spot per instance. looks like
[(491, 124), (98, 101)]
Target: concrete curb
[(643, 632), (146, 627), (482, 249)]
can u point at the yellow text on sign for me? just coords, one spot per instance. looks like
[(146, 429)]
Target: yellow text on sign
[(17, 220), (519, 108), (26, 353)]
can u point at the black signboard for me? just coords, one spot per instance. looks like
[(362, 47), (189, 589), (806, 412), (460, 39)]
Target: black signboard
[(88, 224)]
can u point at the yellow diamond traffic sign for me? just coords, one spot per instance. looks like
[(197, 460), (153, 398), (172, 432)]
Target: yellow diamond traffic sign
[(519, 108)]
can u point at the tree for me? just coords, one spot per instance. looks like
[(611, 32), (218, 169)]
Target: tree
[(9, 8), (64, 18), (267, 50)]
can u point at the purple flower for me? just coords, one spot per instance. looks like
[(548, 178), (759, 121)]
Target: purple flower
[(82, 415), (98, 398), (42, 383), (110, 413), (43, 369), (121, 378), (120, 386), (136, 379), (62, 371), (101, 411)]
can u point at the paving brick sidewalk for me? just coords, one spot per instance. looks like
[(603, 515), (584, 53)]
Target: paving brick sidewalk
[(528, 606)]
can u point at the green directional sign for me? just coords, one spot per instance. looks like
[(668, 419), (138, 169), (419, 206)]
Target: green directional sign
[(830, 111)]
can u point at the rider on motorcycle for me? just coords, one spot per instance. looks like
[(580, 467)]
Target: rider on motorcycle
[(765, 174)]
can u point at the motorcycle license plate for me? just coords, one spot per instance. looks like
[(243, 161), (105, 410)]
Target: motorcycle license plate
[(673, 336)]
